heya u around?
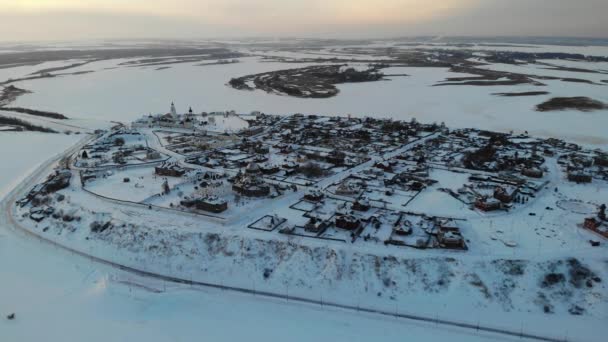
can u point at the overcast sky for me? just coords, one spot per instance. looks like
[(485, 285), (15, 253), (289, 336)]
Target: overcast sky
[(27, 20)]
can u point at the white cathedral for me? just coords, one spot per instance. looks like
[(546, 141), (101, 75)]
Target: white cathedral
[(171, 119)]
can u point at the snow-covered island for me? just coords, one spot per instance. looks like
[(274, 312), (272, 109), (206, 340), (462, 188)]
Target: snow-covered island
[(377, 214)]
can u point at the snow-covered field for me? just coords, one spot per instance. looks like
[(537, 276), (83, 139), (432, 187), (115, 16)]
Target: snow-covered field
[(143, 183)]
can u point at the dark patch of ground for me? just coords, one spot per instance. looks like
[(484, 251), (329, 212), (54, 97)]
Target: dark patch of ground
[(20, 125), (552, 279), (486, 83), (487, 77), (50, 70), (549, 66), (312, 82), (581, 103), (12, 80), (222, 55), (474, 280), (220, 62), (10, 94), (37, 57), (568, 281), (149, 57), (77, 72), (581, 275), (528, 93), (44, 75), (512, 57), (576, 80), (51, 115), (396, 75), (581, 70), (511, 267)]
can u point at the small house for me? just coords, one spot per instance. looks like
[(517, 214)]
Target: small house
[(448, 234), (170, 169), (361, 205), (313, 195), (335, 157), (316, 225), (347, 222), (250, 186), (579, 177), (209, 203), (532, 172), (596, 225), (505, 194), (486, 204), (450, 237)]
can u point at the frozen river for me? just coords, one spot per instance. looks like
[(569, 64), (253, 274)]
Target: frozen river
[(126, 93)]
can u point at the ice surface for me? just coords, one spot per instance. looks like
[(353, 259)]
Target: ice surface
[(124, 94)]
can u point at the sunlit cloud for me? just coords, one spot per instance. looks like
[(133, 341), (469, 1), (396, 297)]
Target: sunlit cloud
[(250, 10), (395, 10), (68, 19)]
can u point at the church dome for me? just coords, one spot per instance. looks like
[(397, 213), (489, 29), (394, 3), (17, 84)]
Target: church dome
[(252, 168)]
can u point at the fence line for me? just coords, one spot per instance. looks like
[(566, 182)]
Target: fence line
[(144, 205)]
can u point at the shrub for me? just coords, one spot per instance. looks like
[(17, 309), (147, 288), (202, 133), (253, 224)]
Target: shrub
[(311, 170)]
